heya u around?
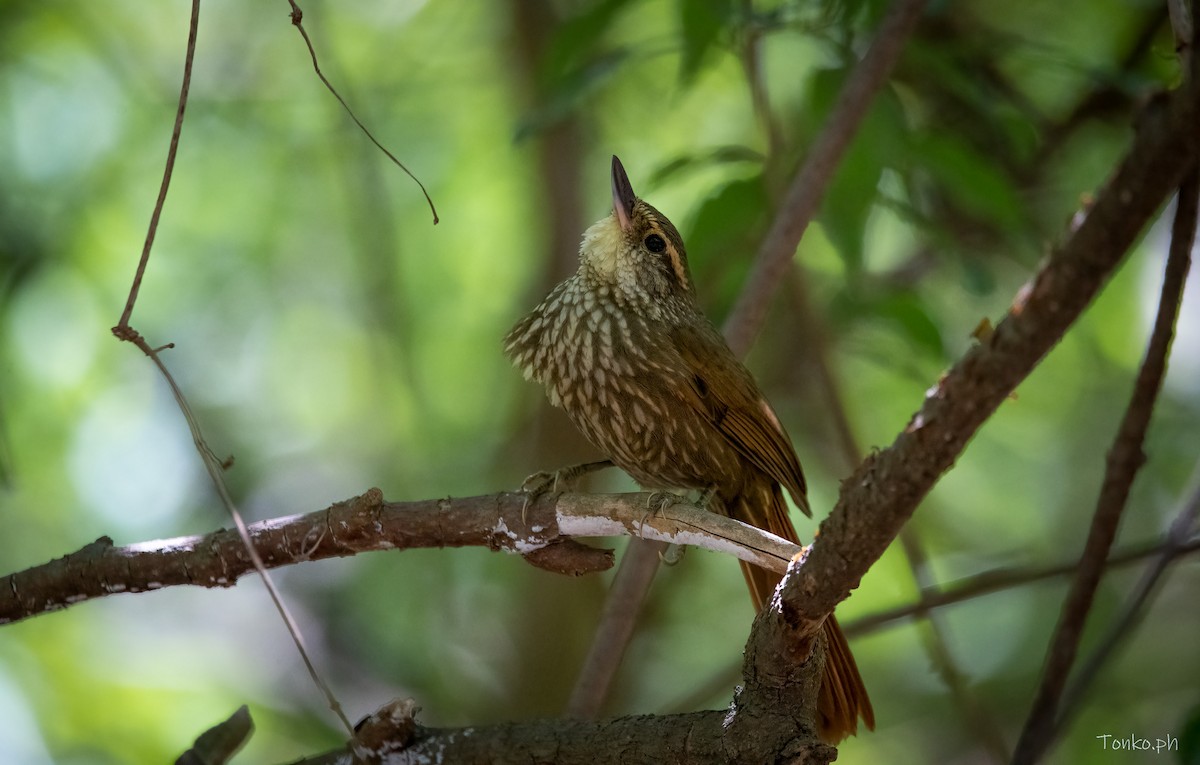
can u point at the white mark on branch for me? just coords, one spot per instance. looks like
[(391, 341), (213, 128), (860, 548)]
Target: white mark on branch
[(517, 543), (173, 545), (595, 526)]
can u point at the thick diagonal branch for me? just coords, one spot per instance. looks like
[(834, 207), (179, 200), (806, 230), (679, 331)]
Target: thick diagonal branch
[(884, 492)]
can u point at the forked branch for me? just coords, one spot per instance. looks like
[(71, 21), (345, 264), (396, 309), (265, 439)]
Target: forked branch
[(883, 493)]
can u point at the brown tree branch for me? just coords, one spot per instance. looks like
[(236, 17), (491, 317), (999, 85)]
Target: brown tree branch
[(368, 523), (998, 580), (883, 493), (618, 619), (640, 561), (815, 337), (937, 645), (168, 172), (808, 187), (696, 738), (1124, 460), (1131, 615), (1170, 549)]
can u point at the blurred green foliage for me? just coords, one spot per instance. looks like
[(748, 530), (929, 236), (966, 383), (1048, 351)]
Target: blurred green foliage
[(331, 339)]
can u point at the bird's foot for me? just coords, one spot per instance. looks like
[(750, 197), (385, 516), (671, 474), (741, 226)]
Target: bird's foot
[(672, 554), (656, 504), (544, 481)]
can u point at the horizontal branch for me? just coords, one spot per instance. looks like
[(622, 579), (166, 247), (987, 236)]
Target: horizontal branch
[(1001, 579), (542, 532), (393, 735)]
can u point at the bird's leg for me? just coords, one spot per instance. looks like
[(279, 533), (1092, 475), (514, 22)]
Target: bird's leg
[(658, 502), (674, 553), (539, 483)]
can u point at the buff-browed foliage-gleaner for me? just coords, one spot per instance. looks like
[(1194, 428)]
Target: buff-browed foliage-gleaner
[(624, 348)]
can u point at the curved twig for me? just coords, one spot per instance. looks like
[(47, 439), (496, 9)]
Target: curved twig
[(168, 171), (297, 17)]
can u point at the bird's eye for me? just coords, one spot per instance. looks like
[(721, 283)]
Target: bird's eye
[(655, 243)]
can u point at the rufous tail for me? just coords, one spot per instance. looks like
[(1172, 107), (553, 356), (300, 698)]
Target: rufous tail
[(843, 698)]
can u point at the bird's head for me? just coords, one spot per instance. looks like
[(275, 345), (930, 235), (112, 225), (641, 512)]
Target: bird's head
[(635, 251)]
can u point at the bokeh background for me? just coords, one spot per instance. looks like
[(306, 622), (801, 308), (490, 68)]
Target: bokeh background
[(331, 339)]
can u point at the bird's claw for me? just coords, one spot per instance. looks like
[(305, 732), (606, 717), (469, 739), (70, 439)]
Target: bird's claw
[(535, 486), (663, 500), (672, 554), (656, 504), (542, 481), (538, 483)]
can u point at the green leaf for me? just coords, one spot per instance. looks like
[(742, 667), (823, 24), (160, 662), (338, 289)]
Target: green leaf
[(724, 229), (848, 202), (974, 182), (700, 22), (977, 278), (218, 744), (717, 156), (572, 92), (903, 310), (907, 313), (852, 192), (574, 67), (577, 40)]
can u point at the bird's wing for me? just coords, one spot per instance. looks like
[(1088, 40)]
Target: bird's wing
[(725, 394)]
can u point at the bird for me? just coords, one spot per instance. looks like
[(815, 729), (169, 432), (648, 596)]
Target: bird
[(625, 349)]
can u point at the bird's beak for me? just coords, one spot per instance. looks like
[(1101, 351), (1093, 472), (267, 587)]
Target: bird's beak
[(623, 196)]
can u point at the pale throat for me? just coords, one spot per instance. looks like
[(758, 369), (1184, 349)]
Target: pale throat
[(601, 258)]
